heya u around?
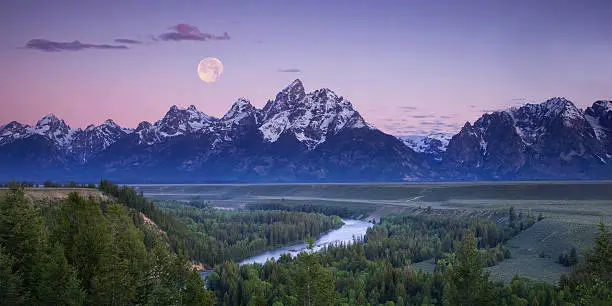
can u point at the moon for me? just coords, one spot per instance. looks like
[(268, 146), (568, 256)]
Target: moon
[(210, 69)]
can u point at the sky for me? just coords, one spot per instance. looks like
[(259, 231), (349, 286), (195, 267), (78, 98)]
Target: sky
[(409, 67)]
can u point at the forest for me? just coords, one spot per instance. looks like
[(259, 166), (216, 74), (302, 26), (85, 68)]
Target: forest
[(344, 275), (81, 252), (235, 235)]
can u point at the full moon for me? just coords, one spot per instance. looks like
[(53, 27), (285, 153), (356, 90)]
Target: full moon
[(210, 69)]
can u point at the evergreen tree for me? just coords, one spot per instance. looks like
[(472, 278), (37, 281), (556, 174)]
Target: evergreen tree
[(467, 284)]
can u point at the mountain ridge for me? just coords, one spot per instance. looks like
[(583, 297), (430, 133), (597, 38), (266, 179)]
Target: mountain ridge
[(316, 136)]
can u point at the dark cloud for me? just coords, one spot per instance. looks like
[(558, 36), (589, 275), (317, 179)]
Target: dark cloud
[(472, 106), (128, 41), (408, 108), (185, 31), (54, 46), (289, 70), (423, 116)]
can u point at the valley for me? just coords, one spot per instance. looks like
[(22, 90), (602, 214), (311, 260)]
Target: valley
[(571, 210)]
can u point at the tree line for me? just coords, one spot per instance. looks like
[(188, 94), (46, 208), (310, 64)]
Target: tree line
[(235, 235), (344, 275), (83, 252), (212, 236), (45, 184)]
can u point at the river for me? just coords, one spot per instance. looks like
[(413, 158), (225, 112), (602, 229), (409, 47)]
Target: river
[(350, 230)]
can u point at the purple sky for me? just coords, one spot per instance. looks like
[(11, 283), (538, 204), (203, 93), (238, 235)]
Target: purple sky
[(407, 66)]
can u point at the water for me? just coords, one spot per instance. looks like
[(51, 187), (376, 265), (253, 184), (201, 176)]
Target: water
[(352, 229)]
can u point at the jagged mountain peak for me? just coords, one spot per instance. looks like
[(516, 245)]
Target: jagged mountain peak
[(310, 117), (599, 107), (51, 120), (55, 129), (143, 125), (190, 112), (14, 130), (240, 109), (111, 123), (287, 98), (295, 86), (178, 121)]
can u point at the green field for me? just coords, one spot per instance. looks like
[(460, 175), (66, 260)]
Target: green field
[(572, 210)]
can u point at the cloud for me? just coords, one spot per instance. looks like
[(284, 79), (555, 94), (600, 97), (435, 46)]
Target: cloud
[(289, 70), (446, 117), (423, 116), (128, 41), (432, 123), (54, 46), (408, 108), (185, 31), (489, 110)]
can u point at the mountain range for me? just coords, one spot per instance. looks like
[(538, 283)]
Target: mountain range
[(316, 136)]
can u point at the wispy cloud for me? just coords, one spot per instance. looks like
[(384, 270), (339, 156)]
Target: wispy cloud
[(489, 110), (289, 70), (128, 41), (408, 108), (54, 46), (432, 123), (185, 31), (423, 116)]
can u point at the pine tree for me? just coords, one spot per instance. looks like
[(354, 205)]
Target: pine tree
[(467, 284), (12, 291)]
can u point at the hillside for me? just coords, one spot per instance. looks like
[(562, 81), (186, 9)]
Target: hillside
[(83, 251)]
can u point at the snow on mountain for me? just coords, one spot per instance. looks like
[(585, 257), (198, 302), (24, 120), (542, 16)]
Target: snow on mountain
[(424, 144), (176, 122), (179, 121), (14, 130), (530, 118), (240, 110), (310, 117), (600, 118), (55, 129), (433, 145), (94, 139)]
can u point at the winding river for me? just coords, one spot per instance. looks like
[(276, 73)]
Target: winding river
[(350, 230)]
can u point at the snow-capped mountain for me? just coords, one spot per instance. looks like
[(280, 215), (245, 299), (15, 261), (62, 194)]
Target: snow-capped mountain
[(176, 122), (553, 139), (94, 139), (599, 117), (433, 145), (315, 136), (49, 126), (310, 117)]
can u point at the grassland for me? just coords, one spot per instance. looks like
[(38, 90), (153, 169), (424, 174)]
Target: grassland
[(572, 210), (52, 194)]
